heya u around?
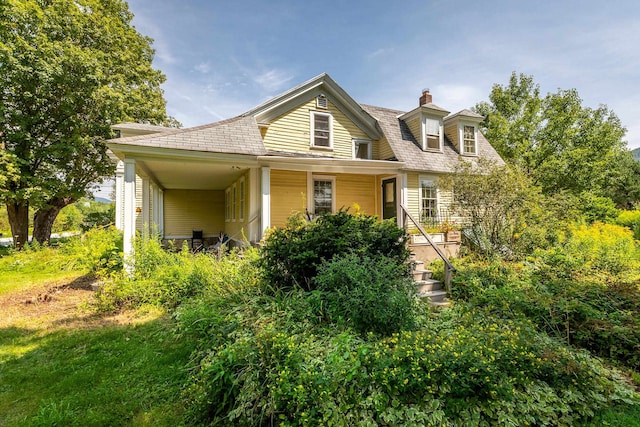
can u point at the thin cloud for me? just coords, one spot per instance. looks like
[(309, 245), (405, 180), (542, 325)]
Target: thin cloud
[(273, 80)]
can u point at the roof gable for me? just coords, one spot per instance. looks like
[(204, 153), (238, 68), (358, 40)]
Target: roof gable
[(322, 84)]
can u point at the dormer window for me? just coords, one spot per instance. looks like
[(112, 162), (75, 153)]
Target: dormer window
[(321, 130), (432, 134), (321, 102), (469, 146)]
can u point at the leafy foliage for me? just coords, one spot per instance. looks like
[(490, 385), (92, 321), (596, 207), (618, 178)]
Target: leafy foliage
[(68, 71), (630, 219), (462, 368), (292, 255), (556, 141), (584, 291), (367, 294)]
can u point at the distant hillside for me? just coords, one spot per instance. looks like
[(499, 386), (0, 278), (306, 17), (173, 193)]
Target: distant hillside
[(636, 154), (102, 200)]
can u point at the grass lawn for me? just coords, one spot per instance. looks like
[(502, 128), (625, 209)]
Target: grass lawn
[(61, 363)]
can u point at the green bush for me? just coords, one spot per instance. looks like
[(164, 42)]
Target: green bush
[(597, 208), (598, 312), (630, 219), (292, 255), (98, 250), (263, 364), (368, 294), (168, 279)]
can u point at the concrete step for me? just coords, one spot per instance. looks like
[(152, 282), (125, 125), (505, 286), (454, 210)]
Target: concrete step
[(421, 274), (434, 296), (428, 285), (445, 303), (417, 265)]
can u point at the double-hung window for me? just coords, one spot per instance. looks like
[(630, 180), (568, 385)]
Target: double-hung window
[(323, 195), (432, 131), (321, 130), (428, 201), (469, 140)]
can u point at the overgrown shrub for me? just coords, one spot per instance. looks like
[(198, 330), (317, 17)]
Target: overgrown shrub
[(368, 294), (160, 277), (630, 219), (292, 255), (97, 250), (597, 311), (267, 367), (597, 208)]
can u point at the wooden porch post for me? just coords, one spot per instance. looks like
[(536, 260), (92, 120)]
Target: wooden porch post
[(119, 195), (266, 198), (129, 223)]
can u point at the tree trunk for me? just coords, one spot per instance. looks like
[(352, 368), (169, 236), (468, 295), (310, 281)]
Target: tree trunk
[(19, 220), (44, 218)]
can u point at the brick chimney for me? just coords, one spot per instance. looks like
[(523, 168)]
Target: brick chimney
[(426, 97)]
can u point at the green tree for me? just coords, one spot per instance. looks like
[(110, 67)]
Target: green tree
[(69, 69), (559, 143)]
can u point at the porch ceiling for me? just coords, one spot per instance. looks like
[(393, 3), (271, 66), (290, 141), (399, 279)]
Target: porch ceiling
[(189, 175)]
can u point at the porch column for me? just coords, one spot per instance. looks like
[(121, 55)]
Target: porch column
[(255, 196), (266, 198), (129, 220), (119, 195), (154, 208), (403, 180), (146, 217), (161, 212)]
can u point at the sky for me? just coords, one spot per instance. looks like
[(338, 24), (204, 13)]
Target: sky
[(221, 58)]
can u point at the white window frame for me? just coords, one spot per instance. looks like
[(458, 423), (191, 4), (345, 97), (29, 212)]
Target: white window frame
[(312, 133), (356, 143), (234, 199), (227, 204), (426, 135), (241, 199), (463, 150), (434, 183), (311, 205)]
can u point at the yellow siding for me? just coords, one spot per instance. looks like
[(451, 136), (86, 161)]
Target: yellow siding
[(291, 131), (413, 196), (358, 189), (188, 210), (416, 129), (288, 195), (451, 131), (384, 150)]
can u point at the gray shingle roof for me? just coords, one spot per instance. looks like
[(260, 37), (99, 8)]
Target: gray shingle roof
[(239, 135), (407, 150)]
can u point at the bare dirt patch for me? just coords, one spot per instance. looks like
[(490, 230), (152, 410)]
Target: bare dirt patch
[(64, 304), (55, 300)]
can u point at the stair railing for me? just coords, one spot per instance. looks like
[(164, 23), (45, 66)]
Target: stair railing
[(449, 269)]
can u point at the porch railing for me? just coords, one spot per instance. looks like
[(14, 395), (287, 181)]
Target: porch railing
[(449, 269)]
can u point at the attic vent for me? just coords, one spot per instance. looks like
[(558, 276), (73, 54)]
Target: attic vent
[(321, 101)]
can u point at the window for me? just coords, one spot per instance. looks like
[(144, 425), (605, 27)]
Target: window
[(468, 139), (432, 130), (361, 149), (321, 135), (234, 198), (323, 195), (428, 202), (227, 204), (241, 201)]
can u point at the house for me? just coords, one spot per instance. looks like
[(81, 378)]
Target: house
[(311, 149)]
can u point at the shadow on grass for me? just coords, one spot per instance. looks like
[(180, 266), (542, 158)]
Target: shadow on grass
[(103, 375)]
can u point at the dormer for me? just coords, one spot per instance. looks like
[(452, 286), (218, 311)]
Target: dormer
[(426, 123), (462, 130)]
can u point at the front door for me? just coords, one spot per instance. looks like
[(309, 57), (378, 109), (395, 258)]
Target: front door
[(389, 205)]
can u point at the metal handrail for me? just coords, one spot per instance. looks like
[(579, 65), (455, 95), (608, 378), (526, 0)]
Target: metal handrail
[(448, 267)]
